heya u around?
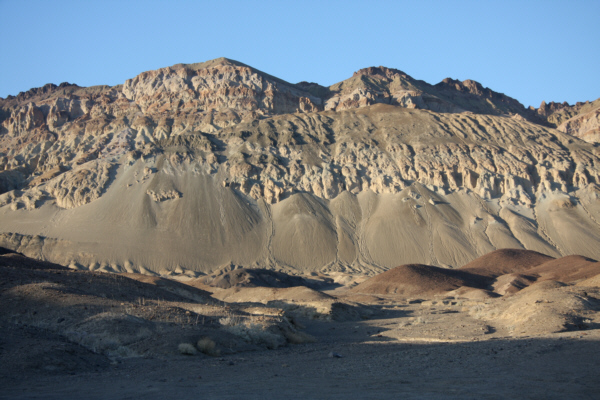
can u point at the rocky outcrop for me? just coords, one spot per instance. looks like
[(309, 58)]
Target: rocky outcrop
[(221, 86), (472, 96), (218, 113), (580, 120), (585, 125), (80, 186), (163, 195), (384, 85), (390, 86)]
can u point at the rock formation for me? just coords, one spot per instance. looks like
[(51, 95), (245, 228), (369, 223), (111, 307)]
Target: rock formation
[(197, 166), (581, 120)]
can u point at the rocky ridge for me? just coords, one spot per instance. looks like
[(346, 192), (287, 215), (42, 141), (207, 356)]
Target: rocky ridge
[(391, 86), (581, 120)]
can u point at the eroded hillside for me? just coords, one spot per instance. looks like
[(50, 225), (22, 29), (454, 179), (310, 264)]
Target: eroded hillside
[(197, 166)]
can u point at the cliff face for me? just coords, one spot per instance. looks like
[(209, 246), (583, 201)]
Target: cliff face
[(201, 165), (581, 120), (58, 128)]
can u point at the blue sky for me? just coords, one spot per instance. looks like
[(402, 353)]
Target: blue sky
[(529, 50)]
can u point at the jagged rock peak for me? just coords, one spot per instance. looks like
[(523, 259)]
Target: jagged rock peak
[(212, 63), (472, 87), (217, 64), (380, 72), (547, 109), (222, 91), (227, 62), (47, 89)]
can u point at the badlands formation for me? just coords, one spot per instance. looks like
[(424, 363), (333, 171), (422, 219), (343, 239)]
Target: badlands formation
[(196, 167), (211, 231)]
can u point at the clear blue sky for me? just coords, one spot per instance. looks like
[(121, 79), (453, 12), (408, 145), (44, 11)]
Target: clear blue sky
[(529, 50)]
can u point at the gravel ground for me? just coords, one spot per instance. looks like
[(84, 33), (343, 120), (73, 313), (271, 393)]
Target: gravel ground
[(558, 366)]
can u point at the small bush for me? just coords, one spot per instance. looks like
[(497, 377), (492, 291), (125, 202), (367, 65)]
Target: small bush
[(207, 346), (122, 352), (187, 349), (230, 321)]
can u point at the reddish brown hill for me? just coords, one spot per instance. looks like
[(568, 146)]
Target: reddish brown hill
[(567, 269), (418, 279), (505, 261)]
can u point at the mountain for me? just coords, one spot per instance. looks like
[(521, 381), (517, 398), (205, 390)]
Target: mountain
[(198, 166), (391, 86)]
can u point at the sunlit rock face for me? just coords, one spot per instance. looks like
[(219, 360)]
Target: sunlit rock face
[(202, 165)]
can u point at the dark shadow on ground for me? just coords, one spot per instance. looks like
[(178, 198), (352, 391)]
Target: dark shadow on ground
[(498, 369)]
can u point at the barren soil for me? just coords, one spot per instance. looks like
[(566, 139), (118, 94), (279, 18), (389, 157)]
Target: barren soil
[(80, 334)]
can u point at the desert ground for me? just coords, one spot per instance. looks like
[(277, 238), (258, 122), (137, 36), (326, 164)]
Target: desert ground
[(510, 324)]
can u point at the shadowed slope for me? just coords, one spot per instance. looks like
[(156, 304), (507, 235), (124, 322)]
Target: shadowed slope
[(244, 277)]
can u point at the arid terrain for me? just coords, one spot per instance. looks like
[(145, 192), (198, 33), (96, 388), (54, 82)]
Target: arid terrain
[(211, 231), (511, 324)]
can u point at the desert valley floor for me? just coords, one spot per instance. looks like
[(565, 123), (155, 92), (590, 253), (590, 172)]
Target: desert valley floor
[(258, 334)]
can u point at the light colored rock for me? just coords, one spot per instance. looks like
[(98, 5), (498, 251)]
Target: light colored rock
[(163, 195), (204, 165), (585, 126)]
